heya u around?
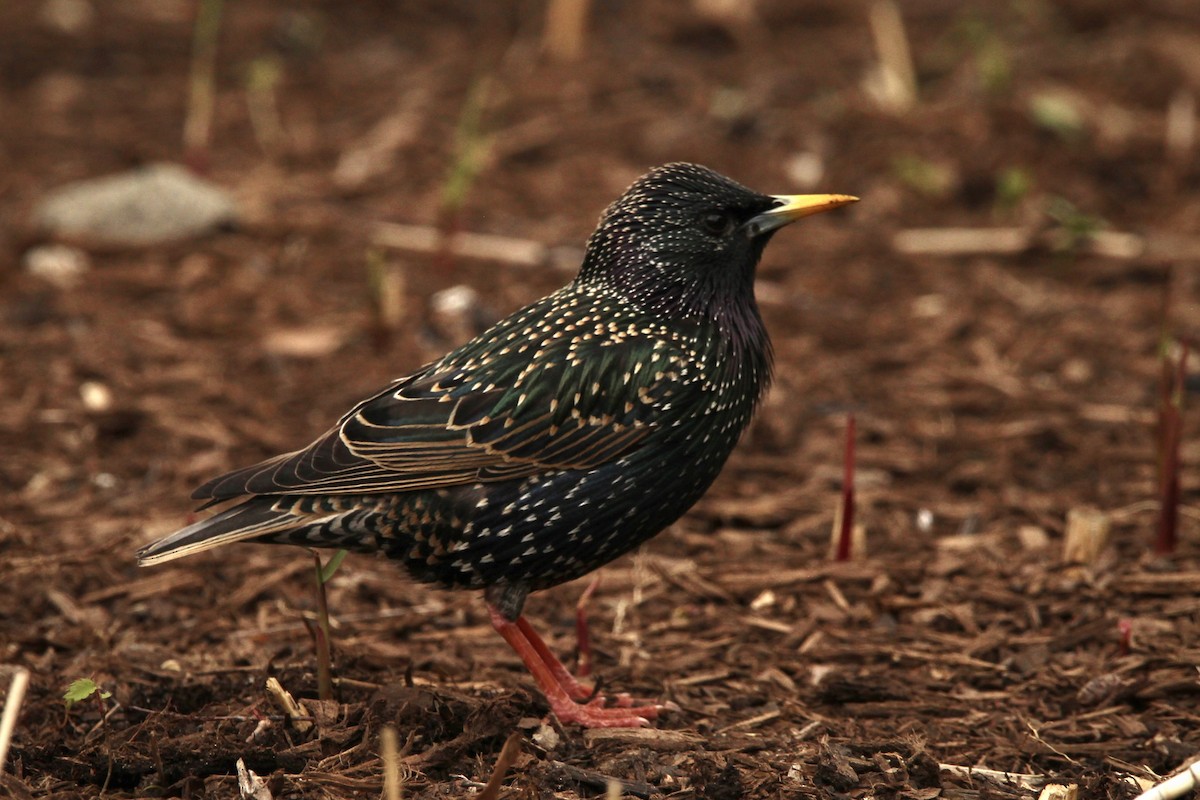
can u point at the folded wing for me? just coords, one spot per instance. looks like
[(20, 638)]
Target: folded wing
[(572, 405)]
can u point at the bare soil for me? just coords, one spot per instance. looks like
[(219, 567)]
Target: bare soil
[(994, 393)]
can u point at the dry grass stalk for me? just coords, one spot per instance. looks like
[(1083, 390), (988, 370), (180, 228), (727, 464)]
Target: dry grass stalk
[(469, 157), (1181, 126), (894, 84), (389, 752), (387, 284), (565, 35), (508, 756), (197, 125), (262, 105), (376, 152), (1087, 535), (12, 707)]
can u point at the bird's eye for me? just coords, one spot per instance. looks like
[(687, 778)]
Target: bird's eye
[(718, 223)]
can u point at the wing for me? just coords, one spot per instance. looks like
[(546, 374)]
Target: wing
[(492, 414)]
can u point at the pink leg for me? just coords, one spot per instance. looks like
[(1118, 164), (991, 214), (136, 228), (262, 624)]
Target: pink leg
[(570, 684), (559, 686), (574, 689)]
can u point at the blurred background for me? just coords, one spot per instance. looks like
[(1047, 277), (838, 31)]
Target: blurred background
[(221, 224)]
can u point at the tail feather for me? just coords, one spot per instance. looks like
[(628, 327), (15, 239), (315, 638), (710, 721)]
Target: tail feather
[(253, 519)]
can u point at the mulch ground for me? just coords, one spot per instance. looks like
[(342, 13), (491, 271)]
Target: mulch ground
[(961, 655)]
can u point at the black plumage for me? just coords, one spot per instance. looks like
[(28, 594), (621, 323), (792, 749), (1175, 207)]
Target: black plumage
[(561, 438)]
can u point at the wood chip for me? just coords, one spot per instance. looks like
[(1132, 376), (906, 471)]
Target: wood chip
[(295, 711), (661, 740)]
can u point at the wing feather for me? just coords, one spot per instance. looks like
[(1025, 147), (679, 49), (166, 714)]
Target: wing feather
[(476, 416)]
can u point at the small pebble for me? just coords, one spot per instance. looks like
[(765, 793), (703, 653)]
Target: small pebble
[(68, 16), (806, 170), (96, 396), (455, 313), (59, 264)]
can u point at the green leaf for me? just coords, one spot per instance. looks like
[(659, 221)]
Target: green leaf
[(470, 148), (1059, 113), (924, 177), (82, 689), (1073, 227), (331, 566), (1012, 185)]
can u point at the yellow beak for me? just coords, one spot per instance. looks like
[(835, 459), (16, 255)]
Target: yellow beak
[(792, 207)]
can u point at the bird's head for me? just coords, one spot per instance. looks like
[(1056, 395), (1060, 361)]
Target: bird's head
[(685, 240)]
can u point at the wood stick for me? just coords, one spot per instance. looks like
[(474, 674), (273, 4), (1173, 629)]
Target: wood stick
[(1013, 241), (427, 239)]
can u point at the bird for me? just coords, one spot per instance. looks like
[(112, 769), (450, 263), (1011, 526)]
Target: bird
[(562, 437)]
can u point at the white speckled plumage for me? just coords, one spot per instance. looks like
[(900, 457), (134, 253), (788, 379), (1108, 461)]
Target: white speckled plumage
[(564, 436)]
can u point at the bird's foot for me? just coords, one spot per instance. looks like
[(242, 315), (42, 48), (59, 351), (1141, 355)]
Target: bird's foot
[(595, 714), (582, 692), (570, 700), (619, 700)]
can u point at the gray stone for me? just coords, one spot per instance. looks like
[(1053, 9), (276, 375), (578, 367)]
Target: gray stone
[(152, 204)]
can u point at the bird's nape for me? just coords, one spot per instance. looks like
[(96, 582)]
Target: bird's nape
[(559, 439)]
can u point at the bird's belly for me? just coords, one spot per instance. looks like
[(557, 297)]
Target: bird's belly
[(547, 529)]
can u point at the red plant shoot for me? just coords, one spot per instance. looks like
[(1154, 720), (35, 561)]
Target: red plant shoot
[(845, 534), (1125, 629), (1170, 435)]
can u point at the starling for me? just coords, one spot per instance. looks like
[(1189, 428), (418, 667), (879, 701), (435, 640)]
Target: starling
[(564, 436)]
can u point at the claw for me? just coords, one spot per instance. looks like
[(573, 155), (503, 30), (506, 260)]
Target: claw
[(570, 700)]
